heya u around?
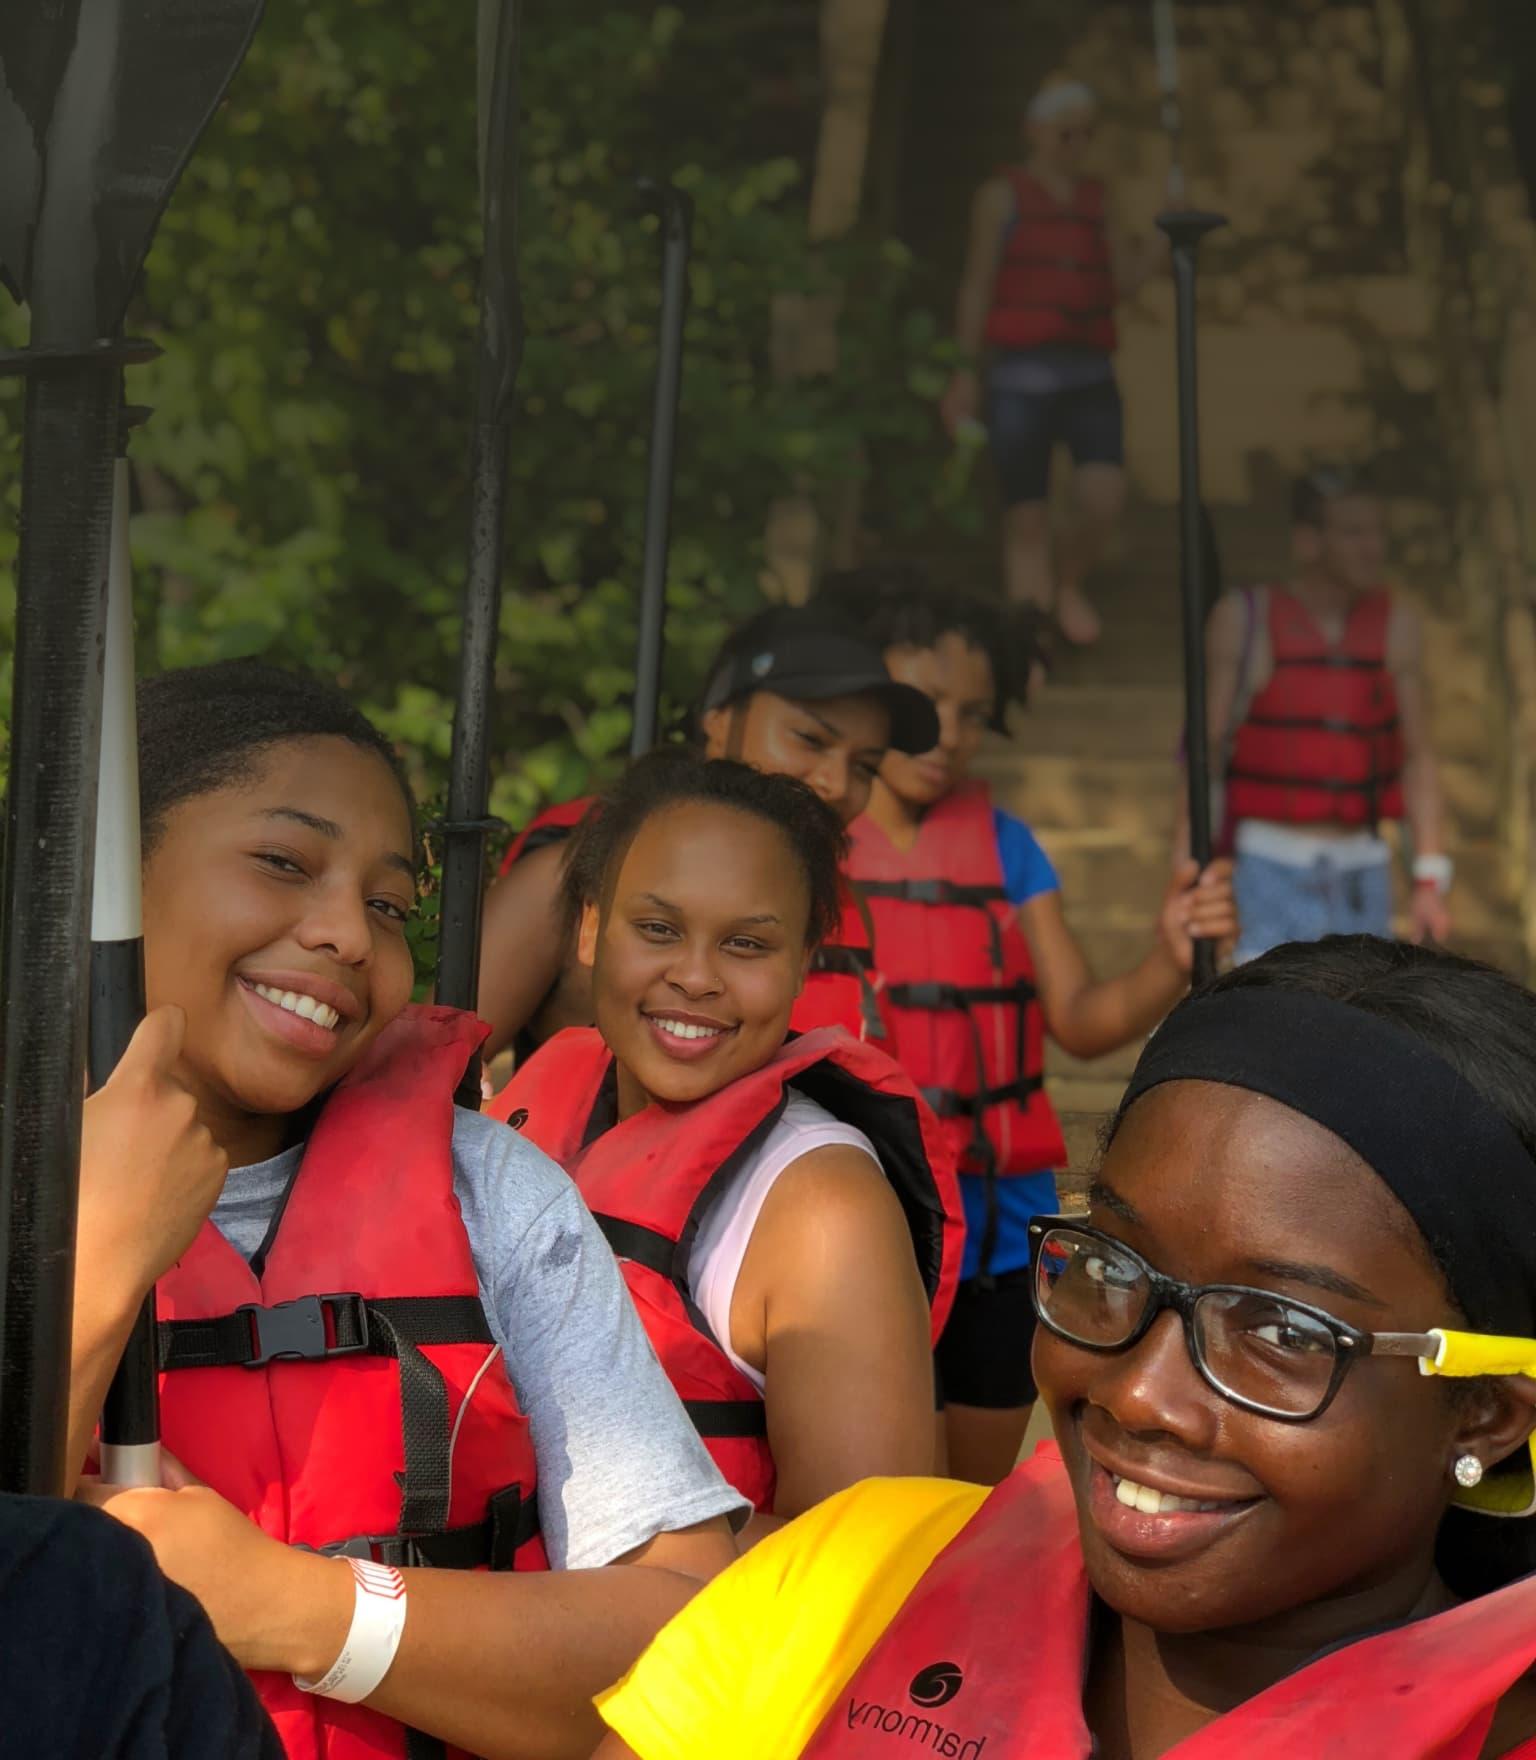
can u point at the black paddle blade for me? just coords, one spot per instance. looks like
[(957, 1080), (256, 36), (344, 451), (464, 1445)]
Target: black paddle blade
[(101, 104), (501, 305)]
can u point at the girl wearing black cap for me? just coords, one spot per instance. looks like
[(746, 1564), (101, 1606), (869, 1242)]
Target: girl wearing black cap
[(1288, 1356), (793, 691), (784, 1213)]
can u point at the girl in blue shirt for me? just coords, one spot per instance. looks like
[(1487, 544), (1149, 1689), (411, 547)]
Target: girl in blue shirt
[(954, 648)]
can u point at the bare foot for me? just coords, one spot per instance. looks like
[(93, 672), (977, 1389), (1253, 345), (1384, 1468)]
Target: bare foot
[(1076, 618)]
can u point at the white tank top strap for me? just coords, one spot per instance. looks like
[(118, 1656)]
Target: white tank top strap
[(714, 1264)]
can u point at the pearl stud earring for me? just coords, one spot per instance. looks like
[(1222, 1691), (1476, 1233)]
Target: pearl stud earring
[(1468, 1471)]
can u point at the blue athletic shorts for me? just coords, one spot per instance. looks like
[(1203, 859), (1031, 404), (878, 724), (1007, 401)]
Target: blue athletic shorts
[(1080, 410)]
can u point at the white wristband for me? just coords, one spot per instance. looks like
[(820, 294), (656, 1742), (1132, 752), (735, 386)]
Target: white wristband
[(1434, 870), (378, 1619)]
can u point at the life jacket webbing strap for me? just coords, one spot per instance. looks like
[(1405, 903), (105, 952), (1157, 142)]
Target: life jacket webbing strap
[(948, 1103), (1324, 784), (511, 1523), (656, 1252), (296, 1331), (641, 1245), (1326, 724), (935, 892), (847, 962), (426, 1430), (959, 996), (714, 1418), (1335, 662)]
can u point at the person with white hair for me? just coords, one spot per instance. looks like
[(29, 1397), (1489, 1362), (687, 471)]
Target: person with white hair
[(1045, 267)]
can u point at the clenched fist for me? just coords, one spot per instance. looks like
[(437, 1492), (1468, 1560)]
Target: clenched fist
[(150, 1171)]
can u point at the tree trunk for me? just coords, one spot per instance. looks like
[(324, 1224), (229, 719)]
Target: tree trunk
[(805, 329)]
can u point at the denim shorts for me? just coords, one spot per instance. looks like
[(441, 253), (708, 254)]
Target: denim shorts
[(1037, 401), (1279, 902)]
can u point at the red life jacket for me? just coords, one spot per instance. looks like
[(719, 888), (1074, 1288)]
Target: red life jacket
[(985, 1661), (960, 984), (553, 825), (1056, 282), (378, 1422), (651, 1178), (1321, 742), (845, 987)]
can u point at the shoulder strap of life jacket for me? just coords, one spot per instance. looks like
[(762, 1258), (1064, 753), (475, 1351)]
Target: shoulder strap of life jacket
[(650, 1178), (949, 1670), (553, 825)]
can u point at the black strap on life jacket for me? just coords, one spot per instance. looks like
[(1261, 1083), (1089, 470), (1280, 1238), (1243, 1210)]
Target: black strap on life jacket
[(950, 997), (846, 962), (935, 892), (947, 1103), (712, 1418), (857, 963), (511, 1522), (313, 1329)]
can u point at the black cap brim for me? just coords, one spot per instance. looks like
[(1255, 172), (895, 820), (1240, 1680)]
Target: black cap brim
[(914, 720)]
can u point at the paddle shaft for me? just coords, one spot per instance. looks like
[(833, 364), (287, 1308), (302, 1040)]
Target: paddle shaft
[(130, 1417), (1185, 231), (498, 355), (676, 211), (69, 452), (1165, 31)]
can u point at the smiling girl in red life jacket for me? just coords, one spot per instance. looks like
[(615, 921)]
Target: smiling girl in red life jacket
[(766, 1199), (1270, 1527), (793, 691), (399, 1341), (980, 966)]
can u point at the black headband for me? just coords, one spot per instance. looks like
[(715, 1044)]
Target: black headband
[(1449, 1158)]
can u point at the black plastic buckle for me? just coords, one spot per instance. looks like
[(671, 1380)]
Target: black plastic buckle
[(927, 995), (295, 1331)]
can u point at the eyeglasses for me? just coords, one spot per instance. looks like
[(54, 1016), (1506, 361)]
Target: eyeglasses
[(1263, 1352)]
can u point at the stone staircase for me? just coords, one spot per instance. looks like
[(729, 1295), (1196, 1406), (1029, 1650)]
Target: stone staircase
[(1317, 339)]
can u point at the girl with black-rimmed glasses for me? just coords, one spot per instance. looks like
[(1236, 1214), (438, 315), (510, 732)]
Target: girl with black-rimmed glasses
[(1290, 1361)]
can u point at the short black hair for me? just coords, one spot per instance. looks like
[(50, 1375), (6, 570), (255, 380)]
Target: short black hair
[(203, 728), (1313, 494), (673, 777), (900, 605)]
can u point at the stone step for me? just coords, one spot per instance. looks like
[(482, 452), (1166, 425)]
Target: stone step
[(1084, 1094), (1094, 720)]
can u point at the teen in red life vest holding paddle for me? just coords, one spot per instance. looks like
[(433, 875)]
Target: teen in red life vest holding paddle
[(1273, 1529), (980, 966), (784, 1212), (399, 1340), (793, 691)]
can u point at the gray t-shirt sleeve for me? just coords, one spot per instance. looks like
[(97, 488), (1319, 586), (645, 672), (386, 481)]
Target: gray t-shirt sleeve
[(619, 1461)]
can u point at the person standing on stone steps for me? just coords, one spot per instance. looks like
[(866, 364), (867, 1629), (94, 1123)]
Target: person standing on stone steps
[(980, 966), (1319, 723), (1044, 268)]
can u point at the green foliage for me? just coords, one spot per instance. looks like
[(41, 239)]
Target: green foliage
[(314, 287)]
